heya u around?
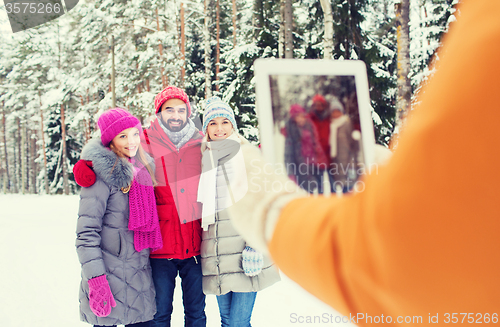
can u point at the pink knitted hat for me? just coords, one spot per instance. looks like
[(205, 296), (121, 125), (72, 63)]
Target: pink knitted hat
[(296, 109), (171, 92), (113, 121)]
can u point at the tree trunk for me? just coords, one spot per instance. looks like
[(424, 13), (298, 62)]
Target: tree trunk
[(2, 173), (208, 66), (19, 160), (23, 152), (88, 132), (183, 46), (113, 86), (328, 36), (281, 33), (404, 84), (87, 136), (34, 164), (28, 157), (6, 181), (164, 81), (288, 29), (235, 13), (42, 134), (15, 174), (258, 18), (217, 51), (63, 155)]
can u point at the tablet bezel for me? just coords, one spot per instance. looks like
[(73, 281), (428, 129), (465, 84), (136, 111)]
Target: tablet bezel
[(264, 68)]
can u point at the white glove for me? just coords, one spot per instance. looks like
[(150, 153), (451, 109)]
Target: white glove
[(269, 190), (382, 154), (267, 186), (252, 261)]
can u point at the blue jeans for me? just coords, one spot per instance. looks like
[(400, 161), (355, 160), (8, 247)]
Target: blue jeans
[(318, 176), (164, 274), (236, 308), (139, 324)]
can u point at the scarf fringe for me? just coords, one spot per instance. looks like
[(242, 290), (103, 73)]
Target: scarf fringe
[(143, 218)]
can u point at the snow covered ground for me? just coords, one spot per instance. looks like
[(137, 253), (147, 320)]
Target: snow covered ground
[(40, 273)]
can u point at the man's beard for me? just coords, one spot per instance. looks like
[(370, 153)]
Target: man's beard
[(175, 128), (321, 114)]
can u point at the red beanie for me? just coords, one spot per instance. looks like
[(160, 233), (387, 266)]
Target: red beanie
[(319, 98), (171, 92)]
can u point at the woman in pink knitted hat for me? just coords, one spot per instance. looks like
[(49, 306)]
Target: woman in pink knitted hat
[(117, 227)]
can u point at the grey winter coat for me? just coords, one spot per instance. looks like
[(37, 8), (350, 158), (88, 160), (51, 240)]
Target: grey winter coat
[(105, 244), (221, 259), (221, 248)]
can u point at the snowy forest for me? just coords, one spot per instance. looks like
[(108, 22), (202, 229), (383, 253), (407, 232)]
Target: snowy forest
[(56, 79)]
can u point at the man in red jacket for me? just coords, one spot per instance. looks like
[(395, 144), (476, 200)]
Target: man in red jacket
[(174, 143), (320, 116)]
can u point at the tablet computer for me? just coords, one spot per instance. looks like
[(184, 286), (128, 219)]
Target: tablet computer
[(315, 121)]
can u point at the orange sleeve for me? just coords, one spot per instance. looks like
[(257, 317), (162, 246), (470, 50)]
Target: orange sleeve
[(423, 237)]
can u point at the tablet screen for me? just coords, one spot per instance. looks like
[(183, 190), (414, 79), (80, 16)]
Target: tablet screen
[(315, 121)]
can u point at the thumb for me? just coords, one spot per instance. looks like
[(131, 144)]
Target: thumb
[(113, 302), (382, 154)]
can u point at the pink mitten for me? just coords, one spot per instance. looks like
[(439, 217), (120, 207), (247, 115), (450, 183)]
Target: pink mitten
[(100, 298), (84, 175)]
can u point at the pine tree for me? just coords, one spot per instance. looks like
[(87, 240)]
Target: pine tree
[(381, 59), (403, 40), (67, 64), (258, 41), (430, 20)]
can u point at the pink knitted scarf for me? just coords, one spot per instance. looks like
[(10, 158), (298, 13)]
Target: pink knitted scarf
[(143, 218)]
